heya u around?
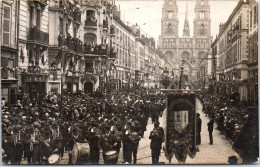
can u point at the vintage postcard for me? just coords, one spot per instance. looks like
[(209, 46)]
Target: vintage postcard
[(87, 82)]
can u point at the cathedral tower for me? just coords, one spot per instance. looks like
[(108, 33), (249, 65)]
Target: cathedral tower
[(202, 19), (170, 21)]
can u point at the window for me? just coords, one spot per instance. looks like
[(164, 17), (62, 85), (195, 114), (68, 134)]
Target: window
[(202, 15), (38, 19), (169, 31), (255, 15), (202, 2), (4, 93), (11, 65), (170, 14), (61, 25), (31, 16), (251, 15), (75, 32), (6, 24)]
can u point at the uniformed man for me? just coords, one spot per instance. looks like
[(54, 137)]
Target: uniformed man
[(93, 139), (107, 142), (157, 138)]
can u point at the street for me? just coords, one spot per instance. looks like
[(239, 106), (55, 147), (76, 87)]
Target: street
[(217, 153)]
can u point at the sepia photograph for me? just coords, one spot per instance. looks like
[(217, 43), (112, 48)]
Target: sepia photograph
[(129, 82)]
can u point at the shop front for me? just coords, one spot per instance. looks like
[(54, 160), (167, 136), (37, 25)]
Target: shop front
[(72, 84), (35, 86)]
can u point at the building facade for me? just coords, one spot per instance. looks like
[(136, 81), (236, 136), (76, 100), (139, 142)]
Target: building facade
[(68, 47), (253, 53), (192, 50), (9, 51), (65, 46), (232, 52)]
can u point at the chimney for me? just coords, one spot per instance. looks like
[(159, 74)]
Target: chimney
[(221, 25)]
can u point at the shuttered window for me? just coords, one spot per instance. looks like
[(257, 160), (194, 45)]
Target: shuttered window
[(6, 24)]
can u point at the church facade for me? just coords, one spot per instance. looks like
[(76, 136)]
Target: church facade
[(191, 51)]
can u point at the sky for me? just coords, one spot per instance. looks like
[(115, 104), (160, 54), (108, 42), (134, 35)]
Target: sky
[(148, 13)]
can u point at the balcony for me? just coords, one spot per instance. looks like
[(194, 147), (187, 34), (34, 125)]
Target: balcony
[(91, 23), (97, 49), (73, 44), (43, 2), (37, 36)]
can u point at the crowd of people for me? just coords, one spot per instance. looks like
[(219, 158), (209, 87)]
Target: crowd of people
[(232, 117), (33, 131)]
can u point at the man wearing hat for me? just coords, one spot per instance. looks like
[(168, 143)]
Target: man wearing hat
[(157, 138), (210, 129), (107, 142), (198, 129), (93, 138)]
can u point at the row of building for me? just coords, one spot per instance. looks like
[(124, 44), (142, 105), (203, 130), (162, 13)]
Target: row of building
[(235, 51), (71, 46)]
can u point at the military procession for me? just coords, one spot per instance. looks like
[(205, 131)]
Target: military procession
[(84, 126), (81, 85)]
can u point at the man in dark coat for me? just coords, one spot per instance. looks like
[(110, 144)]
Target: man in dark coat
[(198, 129), (107, 142), (210, 129), (157, 138), (93, 143)]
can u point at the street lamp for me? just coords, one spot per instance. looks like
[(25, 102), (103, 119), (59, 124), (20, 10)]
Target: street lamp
[(182, 69)]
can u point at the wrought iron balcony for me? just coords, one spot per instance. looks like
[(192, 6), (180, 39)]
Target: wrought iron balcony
[(97, 49), (90, 23), (38, 36)]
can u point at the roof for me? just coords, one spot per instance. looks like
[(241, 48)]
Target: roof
[(123, 24)]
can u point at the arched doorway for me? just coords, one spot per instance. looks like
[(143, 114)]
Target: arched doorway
[(88, 87)]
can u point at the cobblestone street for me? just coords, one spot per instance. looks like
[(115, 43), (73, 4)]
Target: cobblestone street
[(217, 153)]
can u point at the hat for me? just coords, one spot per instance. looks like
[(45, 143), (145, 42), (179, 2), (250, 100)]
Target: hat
[(232, 160)]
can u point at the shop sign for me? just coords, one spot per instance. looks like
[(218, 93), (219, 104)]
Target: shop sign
[(35, 78)]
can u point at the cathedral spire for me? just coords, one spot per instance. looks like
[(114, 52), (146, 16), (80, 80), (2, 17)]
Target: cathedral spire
[(186, 29)]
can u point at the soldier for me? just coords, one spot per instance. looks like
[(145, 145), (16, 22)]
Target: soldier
[(9, 148), (19, 147), (133, 142), (107, 142), (45, 147), (157, 138), (93, 139)]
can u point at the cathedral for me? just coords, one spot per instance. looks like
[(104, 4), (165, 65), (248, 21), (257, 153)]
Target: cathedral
[(186, 50)]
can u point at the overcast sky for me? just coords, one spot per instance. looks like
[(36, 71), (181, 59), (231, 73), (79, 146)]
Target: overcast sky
[(148, 14)]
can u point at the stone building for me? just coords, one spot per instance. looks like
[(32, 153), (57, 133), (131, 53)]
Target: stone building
[(9, 51), (124, 45), (232, 50), (193, 50), (253, 53), (64, 46), (33, 37)]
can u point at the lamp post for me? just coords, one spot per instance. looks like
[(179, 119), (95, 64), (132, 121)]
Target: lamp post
[(182, 69)]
